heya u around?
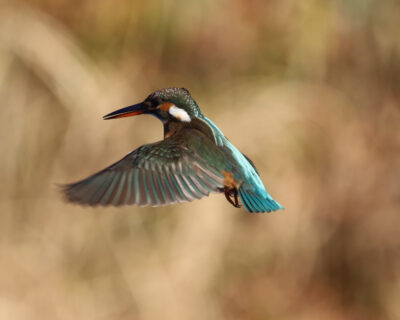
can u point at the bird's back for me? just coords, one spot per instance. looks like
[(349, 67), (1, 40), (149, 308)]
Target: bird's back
[(251, 189)]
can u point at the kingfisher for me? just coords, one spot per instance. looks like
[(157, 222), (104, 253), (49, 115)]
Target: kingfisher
[(193, 160)]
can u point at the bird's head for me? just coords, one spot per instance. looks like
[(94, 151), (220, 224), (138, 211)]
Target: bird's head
[(170, 104)]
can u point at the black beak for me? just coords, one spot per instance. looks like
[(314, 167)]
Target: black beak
[(133, 110)]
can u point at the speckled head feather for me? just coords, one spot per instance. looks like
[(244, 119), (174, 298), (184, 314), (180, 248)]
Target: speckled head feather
[(179, 97)]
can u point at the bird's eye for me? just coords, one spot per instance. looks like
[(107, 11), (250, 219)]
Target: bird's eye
[(157, 102), (153, 104)]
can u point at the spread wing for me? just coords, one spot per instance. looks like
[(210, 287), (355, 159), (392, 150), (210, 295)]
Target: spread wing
[(155, 174)]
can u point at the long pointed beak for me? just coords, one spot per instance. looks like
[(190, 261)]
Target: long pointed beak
[(133, 110)]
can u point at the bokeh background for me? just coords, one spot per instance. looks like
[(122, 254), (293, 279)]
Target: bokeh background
[(308, 89)]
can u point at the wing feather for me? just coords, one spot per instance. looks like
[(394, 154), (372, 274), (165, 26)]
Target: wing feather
[(157, 174)]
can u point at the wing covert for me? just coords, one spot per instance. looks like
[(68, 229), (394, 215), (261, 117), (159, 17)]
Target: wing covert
[(156, 174)]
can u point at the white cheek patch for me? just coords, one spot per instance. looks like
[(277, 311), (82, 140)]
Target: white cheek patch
[(179, 113)]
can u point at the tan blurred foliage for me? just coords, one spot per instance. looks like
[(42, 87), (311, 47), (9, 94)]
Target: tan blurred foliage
[(308, 89)]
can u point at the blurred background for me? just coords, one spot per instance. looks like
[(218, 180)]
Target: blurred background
[(307, 89)]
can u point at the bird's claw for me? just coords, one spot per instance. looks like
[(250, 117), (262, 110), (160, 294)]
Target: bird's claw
[(234, 194)]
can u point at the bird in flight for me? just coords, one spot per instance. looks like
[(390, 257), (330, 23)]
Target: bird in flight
[(193, 160)]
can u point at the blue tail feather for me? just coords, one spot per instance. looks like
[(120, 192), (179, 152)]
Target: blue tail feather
[(252, 191), (255, 202)]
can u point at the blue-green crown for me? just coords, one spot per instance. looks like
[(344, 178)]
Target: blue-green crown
[(178, 96)]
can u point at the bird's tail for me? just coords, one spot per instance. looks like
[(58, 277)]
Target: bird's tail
[(255, 202)]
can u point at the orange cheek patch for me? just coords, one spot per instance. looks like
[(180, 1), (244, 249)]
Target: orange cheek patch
[(166, 106)]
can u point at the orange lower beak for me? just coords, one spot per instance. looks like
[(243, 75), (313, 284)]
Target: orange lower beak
[(133, 110)]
